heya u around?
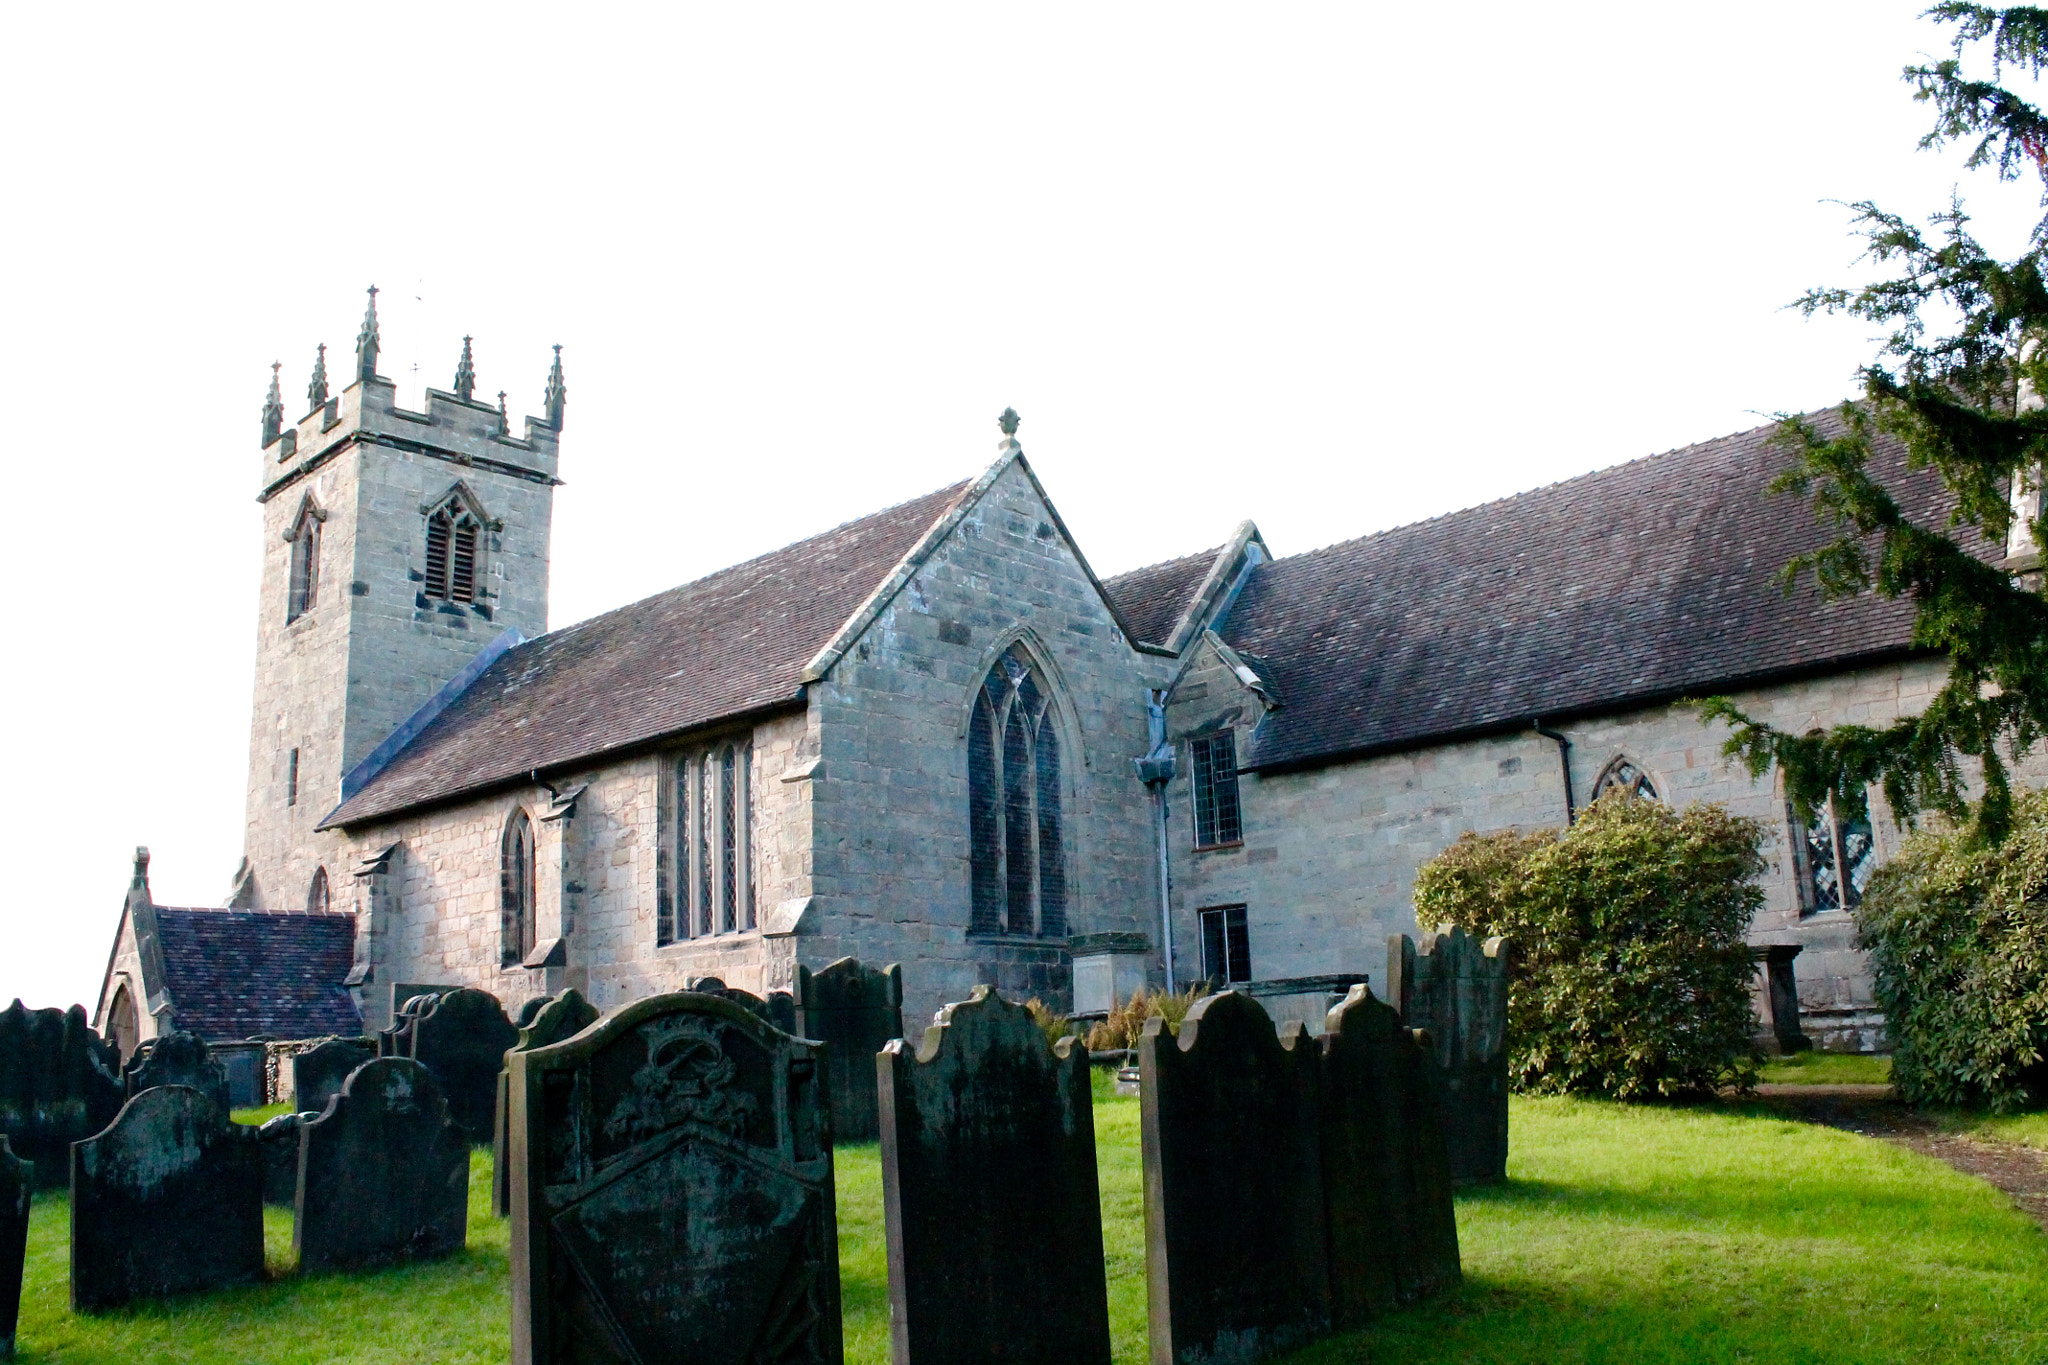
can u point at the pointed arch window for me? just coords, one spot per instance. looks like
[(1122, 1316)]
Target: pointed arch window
[(317, 897), (304, 589), (453, 532), (1016, 833), (1624, 775), (516, 890)]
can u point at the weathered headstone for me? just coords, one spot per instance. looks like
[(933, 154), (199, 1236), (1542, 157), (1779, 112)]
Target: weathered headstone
[(1386, 1179), (1236, 1261), (672, 1194), (549, 1020), (243, 1065), (17, 1184), (58, 1083), (993, 1214), (180, 1058), (278, 1140), (855, 1011), (397, 1040), (778, 1009), (383, 1172), (167, 1200), (318, 1072), (462, 1037), (1456, 988)]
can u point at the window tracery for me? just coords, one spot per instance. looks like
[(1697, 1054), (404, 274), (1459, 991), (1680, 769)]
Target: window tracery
[(452, 539), (714, 844), (1015, 830), (1623, 775)]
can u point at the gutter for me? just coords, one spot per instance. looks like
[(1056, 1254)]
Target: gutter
[(1564, 763)]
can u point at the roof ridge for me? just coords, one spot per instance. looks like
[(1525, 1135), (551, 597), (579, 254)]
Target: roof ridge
[(1209, 553)]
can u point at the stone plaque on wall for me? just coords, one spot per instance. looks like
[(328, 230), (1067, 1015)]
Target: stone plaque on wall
[(993, 1215), (17, 1181), (672, 1195), (462, 1037), (853, 1010), (549, 1019), (1456, 988), (383, 1173), (1236, 1261)]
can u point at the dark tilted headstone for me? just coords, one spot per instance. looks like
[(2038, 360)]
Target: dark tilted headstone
[(167, 1200), (317, 1073), (989, 1193), (462, 1037), (1456, 989), (243, 1063), (1236, 1261), (1387, 1182), (383, 1173), (855, 1011), (180, 1058), (278, 1140), (547, 1020), (17, 1183), (59, 1082), (672, 1192)]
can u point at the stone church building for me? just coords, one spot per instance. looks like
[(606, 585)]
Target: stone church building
[(934, 736)]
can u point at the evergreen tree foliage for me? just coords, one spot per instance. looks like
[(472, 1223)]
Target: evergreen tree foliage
[(1957, 381)]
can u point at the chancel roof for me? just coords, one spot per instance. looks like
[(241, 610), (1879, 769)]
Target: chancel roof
[(1641, 583), (234, 974), (1153, 599)]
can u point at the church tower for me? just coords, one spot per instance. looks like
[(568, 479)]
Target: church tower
[(402, 551)]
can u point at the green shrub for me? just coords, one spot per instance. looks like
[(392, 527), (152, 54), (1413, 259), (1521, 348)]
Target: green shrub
[(1628, 970), (1957, 933)]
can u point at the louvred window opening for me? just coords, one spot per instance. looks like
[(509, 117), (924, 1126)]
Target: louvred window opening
[(451, 555)]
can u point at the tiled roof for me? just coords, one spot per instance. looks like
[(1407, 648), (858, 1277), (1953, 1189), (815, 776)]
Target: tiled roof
[(1153, 598), (728, 645), (1647, 581), (233, 974)]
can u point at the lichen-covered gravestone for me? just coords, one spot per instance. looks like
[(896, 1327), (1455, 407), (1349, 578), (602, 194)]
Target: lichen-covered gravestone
[(462, 1037), (180, 1058), (318, 1072), (1456, 988), (855, 1011), (383, 1173), (17, 1182), (672, 1194), (1386, 1181), (58, 1083), (993, 1214), (167, 1200), (547, 1020), (1236, 1260)]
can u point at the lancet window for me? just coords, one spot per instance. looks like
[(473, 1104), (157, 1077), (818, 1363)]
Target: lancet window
[(452, 536), (317, 896), (518, 928), (1017, 853), (304, 589), (713, 853)]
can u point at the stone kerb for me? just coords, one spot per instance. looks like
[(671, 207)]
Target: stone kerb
[(318, 1072), (179, 1058), (169, 1199), (1386, 1176), (543, 1020), (855, 1011), (383, 1172), (17, 1184), (1236, 1259), (462, 1037), (1456, 989), (59, 1083), (672, 1192), (990, 1200)]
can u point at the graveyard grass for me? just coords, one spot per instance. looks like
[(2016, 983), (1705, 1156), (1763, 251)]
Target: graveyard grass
[(1625, 1233)]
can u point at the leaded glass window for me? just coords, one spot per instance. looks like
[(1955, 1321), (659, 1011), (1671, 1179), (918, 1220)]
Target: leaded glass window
[(516, 891), (1214, 760), (714, 842), (1226, 945), (1837, 855), (1623, 775), (1015, 830)]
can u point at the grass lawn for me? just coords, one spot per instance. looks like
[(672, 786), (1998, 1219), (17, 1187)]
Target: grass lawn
[(1714, 1234), (1828, 1068)]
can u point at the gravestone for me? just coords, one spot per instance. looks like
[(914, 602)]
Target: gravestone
[(1235, 1255), (672, 1195), (550, 1019), (59, 1083), (278, 1140), (1386, 1177), (242, 1063), (1456, 989), (383, 1172), (396, 1041), (17, 1183), (180, 1058), (854, 1011), (167, 1200), (462, 1037), (318, 1072), (778, 1009), (993, 1215)]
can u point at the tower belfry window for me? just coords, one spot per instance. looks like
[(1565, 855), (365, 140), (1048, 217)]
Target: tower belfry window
[(451, 553)]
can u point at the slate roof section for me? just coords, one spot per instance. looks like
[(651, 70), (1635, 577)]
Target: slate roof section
[(1637, 584), (233, 974), (1153, 599), (732, 644)]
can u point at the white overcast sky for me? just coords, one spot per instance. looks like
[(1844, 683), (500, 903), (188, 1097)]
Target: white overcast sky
[(1333, 268)]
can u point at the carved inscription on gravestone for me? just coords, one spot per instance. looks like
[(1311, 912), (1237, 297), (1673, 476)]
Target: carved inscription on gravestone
[(672, 1196), (993, 1214), (167, 1200), (318, 1072), (549, 1019), (462, 1037), (383, 1173), (17, 1181), (1235, 1255), (853, 1010), (1456, 988)]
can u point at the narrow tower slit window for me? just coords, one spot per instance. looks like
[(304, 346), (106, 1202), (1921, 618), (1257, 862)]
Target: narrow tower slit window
[(1016, 833), (317, 898), (291, 778), (1217, 819)]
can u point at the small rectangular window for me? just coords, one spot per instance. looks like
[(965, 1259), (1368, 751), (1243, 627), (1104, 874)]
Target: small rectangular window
[(1214, 760), (291, 779), (1226, 945)]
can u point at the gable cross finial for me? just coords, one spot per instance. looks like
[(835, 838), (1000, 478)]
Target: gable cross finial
[(557, 394), (1008, 422), (367, 341), (273, 407), (465, 374), (316, 392)]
